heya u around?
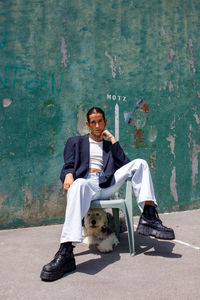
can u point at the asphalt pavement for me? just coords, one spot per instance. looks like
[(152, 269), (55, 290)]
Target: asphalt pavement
[(160, 270)]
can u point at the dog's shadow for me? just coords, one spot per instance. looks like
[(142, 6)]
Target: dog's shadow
[(142, 245), (95, 265)]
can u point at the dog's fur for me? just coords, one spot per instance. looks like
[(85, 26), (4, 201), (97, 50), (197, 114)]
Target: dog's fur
[(96, 231)]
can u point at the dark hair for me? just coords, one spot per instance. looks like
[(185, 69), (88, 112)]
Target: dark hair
[(95, 110)]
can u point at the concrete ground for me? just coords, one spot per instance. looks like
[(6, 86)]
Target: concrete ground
[(159, 270)]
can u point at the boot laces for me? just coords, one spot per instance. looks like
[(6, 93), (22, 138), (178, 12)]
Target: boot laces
[(156, 217)]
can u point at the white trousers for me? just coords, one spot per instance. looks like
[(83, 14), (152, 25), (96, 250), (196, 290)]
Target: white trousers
[(84, 190)]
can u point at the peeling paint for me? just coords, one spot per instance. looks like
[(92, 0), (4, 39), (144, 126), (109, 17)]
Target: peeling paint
[(6, 102), (171, 139), (171, 55), (152, 159), (64, 52), (127, 117), (191, 60), (163, 32), (172, 126), (197, 118), (171, 86), (164, 87), (144, 107), (195, 162), (113, 68), (173, 184), (153, 133), (139, 119), (190, 136)]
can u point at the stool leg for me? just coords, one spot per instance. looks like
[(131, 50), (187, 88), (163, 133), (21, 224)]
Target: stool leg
[(129, 218), (129, 221)]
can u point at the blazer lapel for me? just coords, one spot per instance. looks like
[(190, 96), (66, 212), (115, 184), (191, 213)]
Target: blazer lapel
[(86, 149), (105, 153)]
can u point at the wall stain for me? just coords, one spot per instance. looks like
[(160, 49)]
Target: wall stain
[(47, 206), (2, 199), (138, 137)]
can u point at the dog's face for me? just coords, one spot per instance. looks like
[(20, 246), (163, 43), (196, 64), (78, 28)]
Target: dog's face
[(94, 220)]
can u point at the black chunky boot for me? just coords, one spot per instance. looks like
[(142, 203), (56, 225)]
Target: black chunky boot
[(62, 263), (151, 225)]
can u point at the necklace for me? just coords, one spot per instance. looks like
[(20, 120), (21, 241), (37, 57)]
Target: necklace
[(95, 138)]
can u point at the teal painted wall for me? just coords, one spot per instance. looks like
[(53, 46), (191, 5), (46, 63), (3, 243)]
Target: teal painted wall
[(58, 58)]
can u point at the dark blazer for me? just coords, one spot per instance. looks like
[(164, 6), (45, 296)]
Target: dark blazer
[(76, 159)]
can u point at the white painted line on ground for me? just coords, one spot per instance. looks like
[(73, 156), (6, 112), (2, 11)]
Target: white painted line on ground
[(183, 243), (187, 244)]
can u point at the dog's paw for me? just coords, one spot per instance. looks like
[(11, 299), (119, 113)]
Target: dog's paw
[(89, 240), (108, 244), (86, 241), (104, 248)]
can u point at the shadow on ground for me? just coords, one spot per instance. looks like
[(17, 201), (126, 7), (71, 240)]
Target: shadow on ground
[(146, 245)]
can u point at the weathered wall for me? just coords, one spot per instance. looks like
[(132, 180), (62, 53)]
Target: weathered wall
[(57, 58)]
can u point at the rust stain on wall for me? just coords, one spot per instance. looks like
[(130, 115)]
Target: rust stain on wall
[(138, 137)]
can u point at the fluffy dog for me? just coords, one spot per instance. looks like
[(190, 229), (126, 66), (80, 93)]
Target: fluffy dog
[(96, 231)]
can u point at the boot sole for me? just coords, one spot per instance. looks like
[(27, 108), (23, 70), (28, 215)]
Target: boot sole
[(51, 276), (148, 231)]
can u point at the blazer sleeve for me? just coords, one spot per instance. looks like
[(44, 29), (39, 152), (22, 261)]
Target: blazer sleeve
[(119, 156), (69, 159)]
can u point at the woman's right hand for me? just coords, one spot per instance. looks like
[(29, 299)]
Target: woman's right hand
[(69, 179)]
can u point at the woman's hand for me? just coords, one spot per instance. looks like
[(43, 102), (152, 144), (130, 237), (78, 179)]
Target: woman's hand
[(109, 136), (69, 179)]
